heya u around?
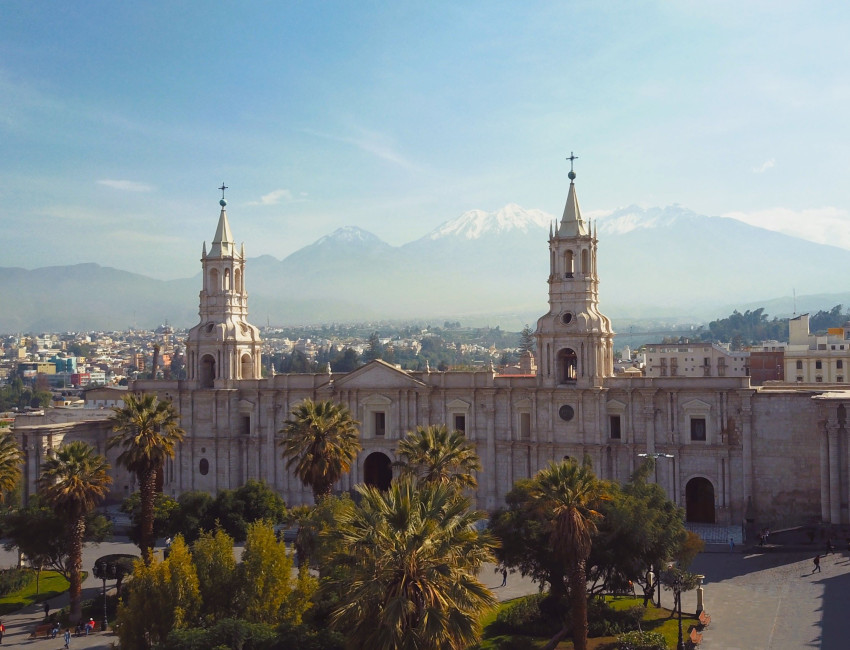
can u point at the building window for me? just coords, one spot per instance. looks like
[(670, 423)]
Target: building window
[(799, 380), (698, 429), (204, 467), (460, 423), (566, 412), (840, 379), (706, 361), (839, 364), (799, 365), (818, 380), (380, 423), (614, 422), (525, 426), (818, 365)]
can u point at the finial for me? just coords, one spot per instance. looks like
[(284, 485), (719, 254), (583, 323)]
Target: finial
[(572, 174), (223, 187), (328, 369)]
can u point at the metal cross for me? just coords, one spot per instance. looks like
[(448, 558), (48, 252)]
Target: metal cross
[(224, 187), (571, 159)]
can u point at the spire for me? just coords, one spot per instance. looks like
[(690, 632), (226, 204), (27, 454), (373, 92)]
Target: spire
[(572, 224), (223, 244)]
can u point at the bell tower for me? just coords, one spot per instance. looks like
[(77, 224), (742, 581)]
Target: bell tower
[(223, 346), (575, 343)]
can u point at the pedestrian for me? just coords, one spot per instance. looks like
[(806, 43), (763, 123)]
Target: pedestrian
[(55, 630), (46, 608), (504, 577), (2, 631), (731, 544), (67, 638), (817, 563)]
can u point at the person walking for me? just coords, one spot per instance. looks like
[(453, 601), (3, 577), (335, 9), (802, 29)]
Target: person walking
[(731, 544), (46, 609), (67, 638), (504, 577), (817, 563), (2, 631)]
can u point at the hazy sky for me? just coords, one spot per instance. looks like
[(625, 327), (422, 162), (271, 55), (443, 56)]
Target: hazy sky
[(118, 120)]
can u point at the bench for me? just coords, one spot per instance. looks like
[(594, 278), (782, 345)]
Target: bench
[(42, 630), (704, 619), (695, 637)]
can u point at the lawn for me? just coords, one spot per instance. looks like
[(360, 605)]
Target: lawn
[(51, 584), (655, 620)]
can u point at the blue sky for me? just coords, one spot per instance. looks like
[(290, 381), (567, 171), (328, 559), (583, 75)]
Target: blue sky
[(118, 120)]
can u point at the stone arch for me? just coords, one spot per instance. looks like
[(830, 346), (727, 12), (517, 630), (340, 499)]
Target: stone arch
[(699, 501), (569, 264), (207, 374), (585, 261), (214, 288), (378, 470), (237, 279), (247, 367), (227, 279), (567, 365)]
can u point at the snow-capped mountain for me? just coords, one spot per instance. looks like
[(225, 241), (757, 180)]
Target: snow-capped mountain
[(349, 235), (475, 224)]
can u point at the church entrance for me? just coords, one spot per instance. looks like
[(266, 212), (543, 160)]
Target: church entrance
[(378, 471), (699, 501)]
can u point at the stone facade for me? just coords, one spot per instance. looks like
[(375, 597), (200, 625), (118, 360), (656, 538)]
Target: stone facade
[(772, 456)]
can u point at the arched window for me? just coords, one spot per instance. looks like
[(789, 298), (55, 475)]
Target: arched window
[(213, 288), (238, 278), (247, 367), (227, 279), (585, 262), (568, 264), (207, 371), (567, 366)]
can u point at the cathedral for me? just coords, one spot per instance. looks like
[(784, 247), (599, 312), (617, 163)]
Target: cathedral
[(729, 453)]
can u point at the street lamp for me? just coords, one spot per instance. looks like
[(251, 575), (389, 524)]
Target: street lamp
[(655, 455)]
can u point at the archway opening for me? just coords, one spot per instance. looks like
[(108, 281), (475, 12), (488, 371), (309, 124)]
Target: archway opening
[(699, 501), (247, 367), (567, 366), (207, 371), (378, 471)]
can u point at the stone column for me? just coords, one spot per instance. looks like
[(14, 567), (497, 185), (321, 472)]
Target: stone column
[(490, 463), (824, 476), (834, 475)]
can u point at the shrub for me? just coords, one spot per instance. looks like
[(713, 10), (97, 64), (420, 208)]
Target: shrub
[(526, 616), (14, 579), (603, 620), (638, 640)]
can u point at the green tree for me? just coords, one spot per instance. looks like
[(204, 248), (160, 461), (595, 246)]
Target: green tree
[(193, 515), (38, 532), (412, 554), (161, 596), (526, 339), (212, 554), (148, 431), (235, 510), (267, 592), (73, 480), (164, 510), (10, 464), (374, 349), (321, 441), (433, 454)]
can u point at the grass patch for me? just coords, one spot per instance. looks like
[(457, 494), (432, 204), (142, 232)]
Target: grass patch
[(50, 585), (655, 619)]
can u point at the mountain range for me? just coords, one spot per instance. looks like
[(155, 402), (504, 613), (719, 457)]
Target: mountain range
[(482, 267)]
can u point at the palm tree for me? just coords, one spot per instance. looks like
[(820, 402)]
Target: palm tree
[(10, 463), (73, 480), (432, 454), (321, 441), (569, 493), (148, 432), (413, 553)]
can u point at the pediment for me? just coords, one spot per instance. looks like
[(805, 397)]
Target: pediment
[(458, 405), (616, 405), (377, 374), (696, 405), (524, 403)]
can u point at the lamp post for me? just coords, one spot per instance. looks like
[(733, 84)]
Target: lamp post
[(655, 455), (677, 587)]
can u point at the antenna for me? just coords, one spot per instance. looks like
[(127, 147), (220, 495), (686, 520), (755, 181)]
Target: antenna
[(794, 292)]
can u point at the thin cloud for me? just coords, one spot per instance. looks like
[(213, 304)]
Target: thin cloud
[(372, 143), (126, 186), (826, 225), (767, 164), (273, 198)]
